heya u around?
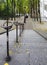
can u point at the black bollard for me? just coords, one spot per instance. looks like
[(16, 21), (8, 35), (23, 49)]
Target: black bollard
[(24, 19), (40, 19), (8, 58), (16, 24), (17, 33), (20, 30), (22, 27)]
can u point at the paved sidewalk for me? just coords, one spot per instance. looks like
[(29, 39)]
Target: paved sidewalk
[(32, 50), (31, 24), (40, 28)]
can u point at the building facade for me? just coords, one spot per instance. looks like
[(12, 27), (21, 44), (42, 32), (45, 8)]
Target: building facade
[(43, 10)]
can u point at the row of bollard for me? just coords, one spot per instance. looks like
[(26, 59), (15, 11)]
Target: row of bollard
[(21, 26), (7, 28)]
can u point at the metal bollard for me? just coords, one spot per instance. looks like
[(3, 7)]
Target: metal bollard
[(22, 27), (8, 58), (29, 58), (7, 28), (16, 33), (24, 20), (20, 30)]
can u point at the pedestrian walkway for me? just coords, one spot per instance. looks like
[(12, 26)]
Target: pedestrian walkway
[(40, 28), (28, 24), (31, 50), (29, 36)]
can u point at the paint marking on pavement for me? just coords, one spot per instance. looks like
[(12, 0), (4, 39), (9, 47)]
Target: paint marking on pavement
[(27, 51), (15, 45), (6, 64), (11, 52), (20, 45)]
